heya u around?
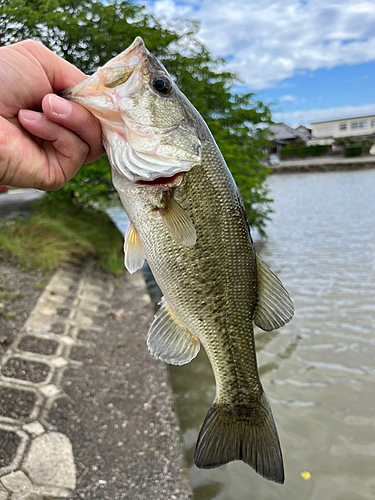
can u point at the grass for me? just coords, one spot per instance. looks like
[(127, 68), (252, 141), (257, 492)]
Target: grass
[(44, 240)]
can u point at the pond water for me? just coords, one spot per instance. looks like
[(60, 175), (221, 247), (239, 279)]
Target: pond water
[(318, 371)]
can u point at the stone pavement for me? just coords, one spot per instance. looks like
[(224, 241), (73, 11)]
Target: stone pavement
[(85, 411)]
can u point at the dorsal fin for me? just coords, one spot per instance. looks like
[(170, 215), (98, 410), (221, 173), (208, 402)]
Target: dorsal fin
[(274, 306), (133, 248), (178, 223), (169, 340)]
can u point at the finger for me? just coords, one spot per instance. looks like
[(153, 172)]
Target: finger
[(77, 119), (60, 72), (64, 152)]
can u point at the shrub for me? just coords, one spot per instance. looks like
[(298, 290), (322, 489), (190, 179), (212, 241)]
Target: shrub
[(353, 151), (290, 152)]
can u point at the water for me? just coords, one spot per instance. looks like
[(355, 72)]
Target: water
[(119, 217), (318, 371)]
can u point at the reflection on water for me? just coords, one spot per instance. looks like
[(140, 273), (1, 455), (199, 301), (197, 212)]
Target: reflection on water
[(318, 371)]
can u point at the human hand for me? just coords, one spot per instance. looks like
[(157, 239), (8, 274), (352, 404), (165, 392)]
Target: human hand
[(42, 149)]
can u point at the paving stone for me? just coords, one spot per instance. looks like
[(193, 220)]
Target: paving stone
[(59, 297), (9, 444), (85, 334), (25, 495), (16, 403), (89, 305), (47, 309), (63, 312), (83, 319), (90, 296), (49, 390), (34, 428), (17, 482), (100, 398), (38, 323), (58, 328), (50, 461), (59, 362), (57, 284), (97, 291), (50, 493), (61, 277), (3, 493), (67, 340), (38, 345), (23, 369)]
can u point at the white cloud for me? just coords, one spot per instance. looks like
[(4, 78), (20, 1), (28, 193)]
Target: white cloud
[(273, 39), (288, 98), (306, 117)]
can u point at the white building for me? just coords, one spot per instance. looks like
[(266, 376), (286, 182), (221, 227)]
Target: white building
[(328, 130)]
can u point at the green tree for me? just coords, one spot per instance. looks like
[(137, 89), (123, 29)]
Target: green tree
[(88, 33), (346, 141)]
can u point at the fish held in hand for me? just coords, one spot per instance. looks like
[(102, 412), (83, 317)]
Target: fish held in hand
[(187, 219)]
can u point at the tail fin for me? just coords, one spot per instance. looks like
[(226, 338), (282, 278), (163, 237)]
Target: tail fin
[(241, 433)]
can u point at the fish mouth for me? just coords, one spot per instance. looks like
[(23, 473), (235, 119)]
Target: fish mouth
[(114, 73), (161, 181)]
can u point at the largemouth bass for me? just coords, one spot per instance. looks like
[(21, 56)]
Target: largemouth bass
[(187, 219)]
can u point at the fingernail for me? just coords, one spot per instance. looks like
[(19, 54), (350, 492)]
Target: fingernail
[(60, 106), (30, 116)]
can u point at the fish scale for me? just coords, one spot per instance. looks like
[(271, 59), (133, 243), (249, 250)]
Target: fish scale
[(187, 219)]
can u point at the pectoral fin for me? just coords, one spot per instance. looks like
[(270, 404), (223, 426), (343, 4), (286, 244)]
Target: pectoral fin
[(169, 340), (178, 223), (274, 306), (133, 248)]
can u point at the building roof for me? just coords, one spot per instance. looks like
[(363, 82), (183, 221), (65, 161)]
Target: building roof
[(282, 132), (343, 119)]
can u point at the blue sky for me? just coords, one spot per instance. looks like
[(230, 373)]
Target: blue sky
[(314, 58)]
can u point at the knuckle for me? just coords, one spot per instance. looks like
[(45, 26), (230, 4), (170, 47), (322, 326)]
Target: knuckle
[(83, 149), (31, 45)]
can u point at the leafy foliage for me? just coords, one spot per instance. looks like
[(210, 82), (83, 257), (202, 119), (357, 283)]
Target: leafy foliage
[(346, 141), (353, 151), (88, 33), (303, 152)]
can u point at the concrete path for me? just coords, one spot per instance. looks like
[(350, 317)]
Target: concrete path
[(86, 412), (19, 201)]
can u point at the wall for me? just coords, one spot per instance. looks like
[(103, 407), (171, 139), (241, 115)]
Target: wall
[(358, 126)]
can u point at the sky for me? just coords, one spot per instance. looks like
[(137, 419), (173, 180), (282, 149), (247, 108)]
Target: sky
[(313, 59)]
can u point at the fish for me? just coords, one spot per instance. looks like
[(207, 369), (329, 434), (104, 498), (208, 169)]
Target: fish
[(187, 219)]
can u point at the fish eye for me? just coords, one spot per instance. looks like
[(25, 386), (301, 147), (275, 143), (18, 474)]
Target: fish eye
[(162, 85)]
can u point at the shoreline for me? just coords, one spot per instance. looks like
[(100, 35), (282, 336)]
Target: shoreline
[(324, 164)]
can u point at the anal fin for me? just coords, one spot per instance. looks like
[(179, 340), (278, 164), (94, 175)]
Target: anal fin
[(133, 248), (274, 306), (169, 340)]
